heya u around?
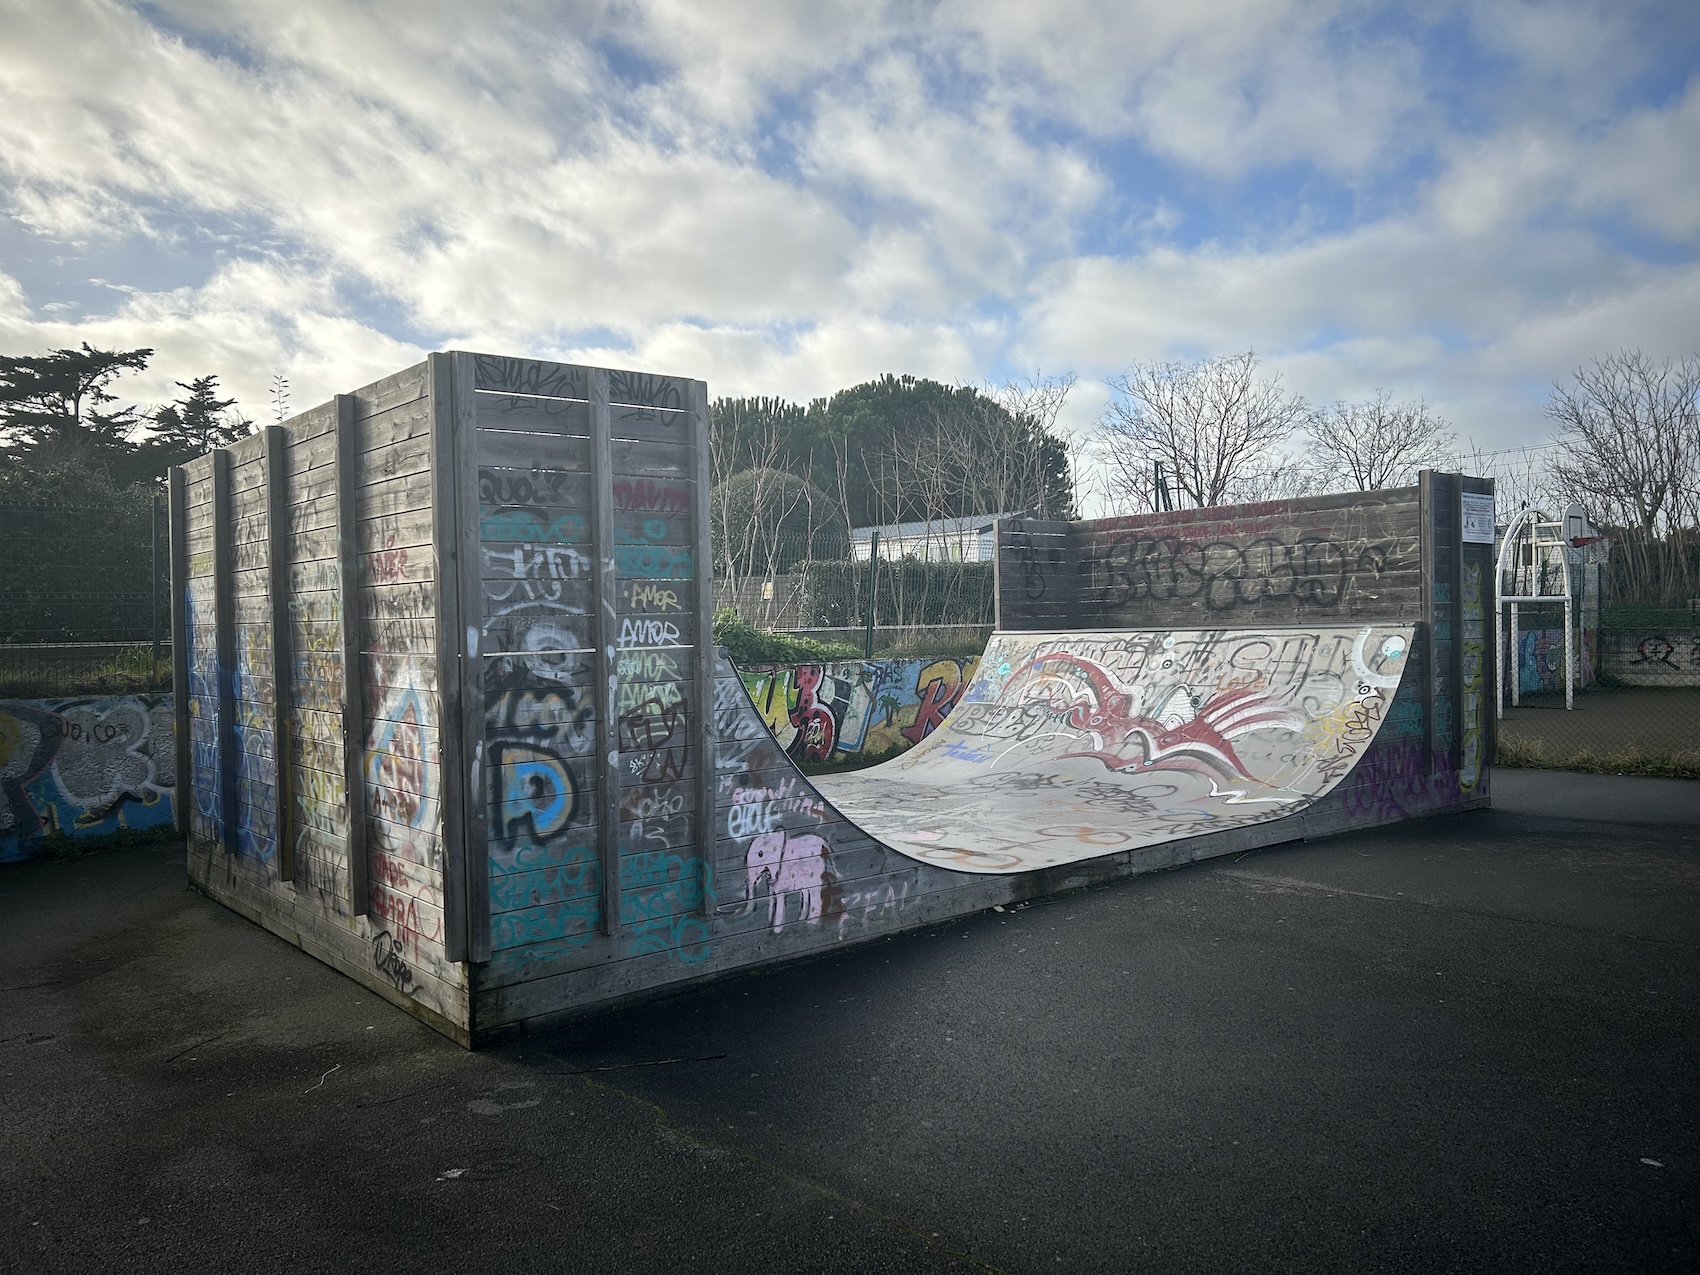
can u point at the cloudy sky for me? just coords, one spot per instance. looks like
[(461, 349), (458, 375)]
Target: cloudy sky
[(1454, 199)]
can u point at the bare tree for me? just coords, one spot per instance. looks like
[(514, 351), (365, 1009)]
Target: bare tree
[(1629, 431), (1521, 477), (764, 516), (1377, 442), (1629, 447), (1035, 401), (1213, 425)]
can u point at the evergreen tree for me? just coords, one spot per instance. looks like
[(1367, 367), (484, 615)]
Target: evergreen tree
[(191, 426), (905, 448), (54, 409)]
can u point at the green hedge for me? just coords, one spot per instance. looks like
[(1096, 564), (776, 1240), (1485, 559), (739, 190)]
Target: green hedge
[(747, 644)]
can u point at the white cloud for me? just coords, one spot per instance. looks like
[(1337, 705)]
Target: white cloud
[(789, 197)]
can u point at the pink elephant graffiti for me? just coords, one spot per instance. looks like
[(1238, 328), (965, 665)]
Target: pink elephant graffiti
[(794, 865)]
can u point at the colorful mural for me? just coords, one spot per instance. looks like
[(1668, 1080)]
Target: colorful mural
[(81, 767), (1540, 660), (856, 709)]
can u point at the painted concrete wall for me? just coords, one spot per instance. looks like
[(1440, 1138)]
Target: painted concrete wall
[(856, 710), (1632, 657), (82, 767), (1644, 657)]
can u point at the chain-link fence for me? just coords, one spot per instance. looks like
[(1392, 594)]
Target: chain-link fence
[(902, 594), (1635, 704), (84, 603)]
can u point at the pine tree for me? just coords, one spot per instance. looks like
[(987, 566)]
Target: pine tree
[(54, 408), (200, 420)]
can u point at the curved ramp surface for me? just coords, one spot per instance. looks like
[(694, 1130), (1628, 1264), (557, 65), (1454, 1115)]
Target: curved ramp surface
[(1071, 745)]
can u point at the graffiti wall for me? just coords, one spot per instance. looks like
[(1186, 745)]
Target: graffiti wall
[(1320, 560), (591, 682), (856, 710), (306, 578), (1641, 657), (82, 767), (1540, 659)]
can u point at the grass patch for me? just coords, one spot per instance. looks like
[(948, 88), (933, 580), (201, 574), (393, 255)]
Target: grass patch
[(1536, 755), (126, 671)]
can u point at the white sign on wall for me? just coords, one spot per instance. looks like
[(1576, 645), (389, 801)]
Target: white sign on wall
[(1478, 519)]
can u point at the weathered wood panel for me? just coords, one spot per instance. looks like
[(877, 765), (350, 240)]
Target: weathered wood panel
[(224, 647), (1036, 571), (177, 505), (1304, 561), (330, 586), (1311, 561)]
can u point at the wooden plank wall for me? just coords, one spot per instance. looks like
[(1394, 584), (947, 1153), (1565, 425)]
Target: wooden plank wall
[(378, 912), (1319, 560), (1036, 570), (591, 511)]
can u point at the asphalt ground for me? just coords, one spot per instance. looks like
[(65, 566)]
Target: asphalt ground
[(1467, 1043), (1606, 719)]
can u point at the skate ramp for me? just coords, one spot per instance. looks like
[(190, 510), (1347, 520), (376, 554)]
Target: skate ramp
[(1068, 746)]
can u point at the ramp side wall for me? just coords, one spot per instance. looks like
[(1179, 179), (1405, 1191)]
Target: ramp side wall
[(1387, 556), (595, 683), (314, 798), (789, 876)]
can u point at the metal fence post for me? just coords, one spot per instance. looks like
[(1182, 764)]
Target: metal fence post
[(153, 580), (873, 583)]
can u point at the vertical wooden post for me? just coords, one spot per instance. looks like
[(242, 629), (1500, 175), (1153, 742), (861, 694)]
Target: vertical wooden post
[(997, 576), (1492, 656), (183, 794), (472, 667), (451, 648), (605, 626), (224, 628), (153, 586), (461, 415), (353, 690), (702, 535), (278, 564)]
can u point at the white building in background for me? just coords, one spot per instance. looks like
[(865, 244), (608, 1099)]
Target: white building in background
[(971, 539)]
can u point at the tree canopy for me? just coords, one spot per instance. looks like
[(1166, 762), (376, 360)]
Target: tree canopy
[(902, 448), (191, 426), (58, 412), (55, 408)]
